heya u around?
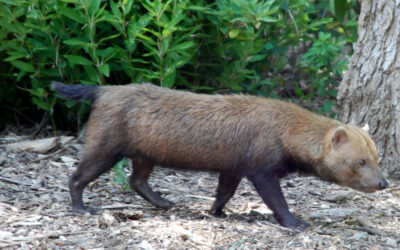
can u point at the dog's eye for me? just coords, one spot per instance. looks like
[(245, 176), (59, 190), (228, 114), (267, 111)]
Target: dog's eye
[(361, 162)]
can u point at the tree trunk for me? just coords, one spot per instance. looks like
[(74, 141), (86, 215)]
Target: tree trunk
[(370, 90)]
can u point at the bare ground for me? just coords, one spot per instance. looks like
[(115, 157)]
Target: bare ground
[(35, 212)]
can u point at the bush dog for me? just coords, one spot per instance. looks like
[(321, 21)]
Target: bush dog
[(235, 135)]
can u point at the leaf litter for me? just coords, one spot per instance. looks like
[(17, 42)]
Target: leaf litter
[(35, 211)]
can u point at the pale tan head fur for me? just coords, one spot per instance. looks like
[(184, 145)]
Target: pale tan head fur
[(350, 159)]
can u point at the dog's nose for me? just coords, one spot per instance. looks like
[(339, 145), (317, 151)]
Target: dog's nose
[(383, 184)]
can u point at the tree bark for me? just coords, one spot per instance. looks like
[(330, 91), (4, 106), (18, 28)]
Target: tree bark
[(370, 91)]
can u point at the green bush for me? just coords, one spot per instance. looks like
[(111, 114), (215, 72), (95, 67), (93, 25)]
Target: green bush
[(119, 174), (320, 63), (199, 45)]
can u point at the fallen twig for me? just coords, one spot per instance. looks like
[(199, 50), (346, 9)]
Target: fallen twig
[(119, 206), (370, 230), (280, 227), (368, 227), (201, 197), (58, 186), (12, 181)]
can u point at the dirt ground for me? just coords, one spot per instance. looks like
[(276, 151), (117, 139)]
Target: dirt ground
[(35, 212)]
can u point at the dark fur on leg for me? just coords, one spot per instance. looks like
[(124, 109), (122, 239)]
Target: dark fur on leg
[(138, 181), (227, 185), (269, 189), (88, 170)]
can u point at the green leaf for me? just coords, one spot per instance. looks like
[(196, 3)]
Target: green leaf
[(94, 6), (108, 38), (169, 77), (339, 8), (22, 66), (35, 91), (78, 42), (135, 28), (223, 29), (119, 175), (70, 104), (15, 55), (271, 11), (322, 92), (74, 59), (323, 21), (267, 19), (246, 35), (267, 82), (72, 14), (328, 105), (105, 69), (71, 1), (11, 2), (164, 45), (127, 6), (138, 60), (115, 9), (234, 33), (241, 19), (308, 96), (53, 72), (34, 14), (255, 58), (175, 20), (92, 73), (146, 39), (108, 53), (299, 92), (196, 8), (183, 46), (155, 33), (41, 104), (333, 92), (237, 87)]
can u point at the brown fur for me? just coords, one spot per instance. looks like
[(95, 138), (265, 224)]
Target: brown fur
[(204, 132), (236, 135)]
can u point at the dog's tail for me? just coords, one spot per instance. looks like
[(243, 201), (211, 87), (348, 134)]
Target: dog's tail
[(76, 92)]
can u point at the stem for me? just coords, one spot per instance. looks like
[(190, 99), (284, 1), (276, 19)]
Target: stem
[(160, 55), (92, 29)]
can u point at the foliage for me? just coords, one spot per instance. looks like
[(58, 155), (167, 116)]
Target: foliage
[(200, 45), (324, 69), (119, 175)]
